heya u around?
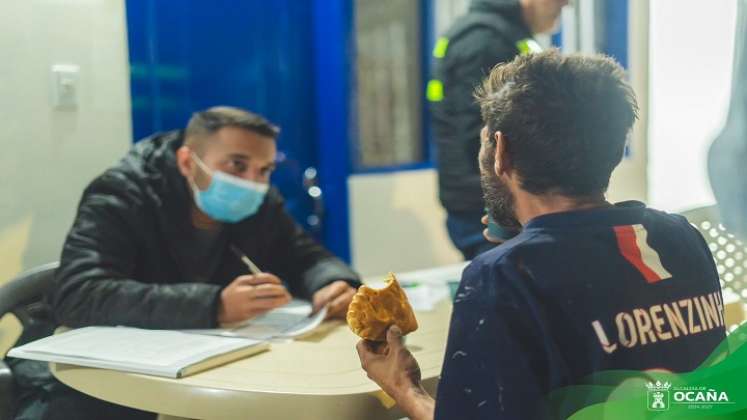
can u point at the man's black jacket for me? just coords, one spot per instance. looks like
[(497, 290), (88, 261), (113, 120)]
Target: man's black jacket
[(479, 40), (123, 264)]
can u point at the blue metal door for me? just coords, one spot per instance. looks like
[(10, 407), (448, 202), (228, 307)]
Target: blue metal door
[(284, 59)]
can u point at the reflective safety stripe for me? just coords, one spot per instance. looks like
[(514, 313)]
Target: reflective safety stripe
[(439, 50), (435, 91), (528, 46)]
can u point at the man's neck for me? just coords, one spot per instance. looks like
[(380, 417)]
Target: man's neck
[(201, 220), (529, 17), (528, 206), (526, 14)]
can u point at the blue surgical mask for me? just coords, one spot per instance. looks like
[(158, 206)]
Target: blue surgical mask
[(228, 198)]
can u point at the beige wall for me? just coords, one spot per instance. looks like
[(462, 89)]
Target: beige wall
[(397, 223), (50, 155), (630, 181)]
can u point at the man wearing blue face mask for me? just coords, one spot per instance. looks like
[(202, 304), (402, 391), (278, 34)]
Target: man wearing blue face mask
[(155, 240)]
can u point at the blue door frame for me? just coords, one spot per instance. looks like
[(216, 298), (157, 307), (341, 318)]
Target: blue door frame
[(333, 44)]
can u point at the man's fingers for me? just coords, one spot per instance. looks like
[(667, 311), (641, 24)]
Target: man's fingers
[(364, 353), (246, 280), (362, 350), (485, 220), (333, 290), (261, 291), (265, 278), (490, 238), (339, 305), (369, 350), (256, 279), (267, 302), (328, 294), (268, 290)]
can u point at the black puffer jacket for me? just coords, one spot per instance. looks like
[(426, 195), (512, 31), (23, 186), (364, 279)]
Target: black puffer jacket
[(479, 40), (122, 263)]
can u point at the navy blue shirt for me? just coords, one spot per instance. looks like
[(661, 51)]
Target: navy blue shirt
[(623, 287)]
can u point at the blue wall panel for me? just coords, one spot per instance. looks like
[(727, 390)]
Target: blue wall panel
[(616, 30)]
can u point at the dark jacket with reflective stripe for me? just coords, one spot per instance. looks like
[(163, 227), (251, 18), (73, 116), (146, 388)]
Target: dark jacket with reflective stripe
[(485, 36), (122, 263)]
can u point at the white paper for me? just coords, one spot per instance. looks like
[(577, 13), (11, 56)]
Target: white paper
[(438, 275), (291, 320), (424, 297), (425, 288)]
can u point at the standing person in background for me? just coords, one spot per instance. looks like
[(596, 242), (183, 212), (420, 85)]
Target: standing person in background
[(492, 32)]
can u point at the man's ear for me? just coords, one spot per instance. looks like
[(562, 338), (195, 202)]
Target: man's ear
[(184, 160), (502, 164)]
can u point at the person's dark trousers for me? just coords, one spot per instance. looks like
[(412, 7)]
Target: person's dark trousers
[(465, 231), (64, 403), (40, 396)]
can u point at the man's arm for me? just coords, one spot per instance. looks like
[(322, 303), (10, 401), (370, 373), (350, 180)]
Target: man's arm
[(297, 256), (96, 284), (491, 364), (494, 355), (395, 370)]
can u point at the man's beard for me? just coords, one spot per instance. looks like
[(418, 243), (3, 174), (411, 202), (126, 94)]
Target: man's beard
[(497, 196)]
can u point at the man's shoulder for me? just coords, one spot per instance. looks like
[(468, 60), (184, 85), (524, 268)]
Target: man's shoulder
[(479, 40), (661, 217), (499, 263), (147, 168)]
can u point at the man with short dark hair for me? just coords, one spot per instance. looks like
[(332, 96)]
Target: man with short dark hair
[(587, 285), (158, 240), (154, 243)]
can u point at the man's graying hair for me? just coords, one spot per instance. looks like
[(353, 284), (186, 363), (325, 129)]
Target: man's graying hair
[(205, 123)]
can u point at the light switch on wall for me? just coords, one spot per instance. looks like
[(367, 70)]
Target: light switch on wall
[(65, 86)]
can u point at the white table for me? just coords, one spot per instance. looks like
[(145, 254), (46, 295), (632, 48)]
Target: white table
[(318, 377)]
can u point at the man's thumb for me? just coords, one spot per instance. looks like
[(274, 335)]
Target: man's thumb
[(394, 335)]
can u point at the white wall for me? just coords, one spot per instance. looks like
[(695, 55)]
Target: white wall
[(50, 155), (629, 180), (692, 44), (397, 223)]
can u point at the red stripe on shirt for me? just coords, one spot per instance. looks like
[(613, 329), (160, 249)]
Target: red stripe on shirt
[(626, 241)]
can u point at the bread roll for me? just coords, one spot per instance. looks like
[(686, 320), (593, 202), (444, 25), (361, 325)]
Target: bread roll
[(373, 311)]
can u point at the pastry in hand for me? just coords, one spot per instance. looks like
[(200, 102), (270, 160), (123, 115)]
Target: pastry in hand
[(373, 311)]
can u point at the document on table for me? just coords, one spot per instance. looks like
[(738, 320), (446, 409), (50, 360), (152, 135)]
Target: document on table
[(290, 321), (166, 353)]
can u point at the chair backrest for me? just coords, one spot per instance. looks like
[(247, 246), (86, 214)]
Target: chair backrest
[(26, 289), (729, 252), (23, 296)]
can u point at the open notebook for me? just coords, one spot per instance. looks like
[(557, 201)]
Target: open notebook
[(171, 354)]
